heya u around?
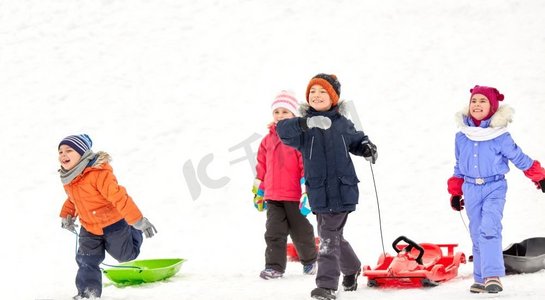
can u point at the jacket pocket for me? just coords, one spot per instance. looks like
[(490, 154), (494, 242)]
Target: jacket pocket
[(316, 192), (349, 189)]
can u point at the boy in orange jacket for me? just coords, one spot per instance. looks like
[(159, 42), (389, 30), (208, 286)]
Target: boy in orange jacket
[(110, 219)]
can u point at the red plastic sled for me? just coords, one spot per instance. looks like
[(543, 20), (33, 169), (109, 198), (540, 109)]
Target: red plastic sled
[(416, 265), (292, 254)]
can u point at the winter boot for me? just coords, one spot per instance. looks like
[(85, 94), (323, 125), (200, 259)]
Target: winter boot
[(493, 285), (477, 288), (270, 274), (350, 282), (310, 269), (83, 297), (323, 294)]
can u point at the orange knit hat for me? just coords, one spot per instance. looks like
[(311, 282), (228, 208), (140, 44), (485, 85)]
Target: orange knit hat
[(330, 83)]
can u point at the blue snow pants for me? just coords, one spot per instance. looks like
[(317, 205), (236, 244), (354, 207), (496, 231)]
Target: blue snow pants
[(120, 240), (335, 255), (484, 206)]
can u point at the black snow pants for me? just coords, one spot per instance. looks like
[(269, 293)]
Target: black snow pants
[(283, 218)]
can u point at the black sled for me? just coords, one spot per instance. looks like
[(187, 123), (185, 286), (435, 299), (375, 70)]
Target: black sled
[(527, 256)]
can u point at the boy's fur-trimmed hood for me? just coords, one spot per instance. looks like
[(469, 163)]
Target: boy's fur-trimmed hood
[(341, 108), (88, 163), (102, 157), (501, 118)]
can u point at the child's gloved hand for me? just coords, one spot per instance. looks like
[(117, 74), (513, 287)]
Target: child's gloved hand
[(369, 151), (69, 223), (457, 203), (304, 206), (541, 184), (318, 122), (454, 187), (259, 203), (258, 186), (259, 192), (146, 227), (537, 174)]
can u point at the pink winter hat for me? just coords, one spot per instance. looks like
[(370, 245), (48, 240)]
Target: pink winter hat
[(491, 93), (286, 99)]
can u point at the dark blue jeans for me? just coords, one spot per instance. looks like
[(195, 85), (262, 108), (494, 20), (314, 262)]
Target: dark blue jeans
[(122, 242)]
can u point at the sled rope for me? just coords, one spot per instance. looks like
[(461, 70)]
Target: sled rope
[(378, 209), (464, 222), (76, 248), (122, 267)]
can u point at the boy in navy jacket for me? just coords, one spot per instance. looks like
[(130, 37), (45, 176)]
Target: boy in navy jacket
[(325, 138)]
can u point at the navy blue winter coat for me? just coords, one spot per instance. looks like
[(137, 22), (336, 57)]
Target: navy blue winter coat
[(331, 181)]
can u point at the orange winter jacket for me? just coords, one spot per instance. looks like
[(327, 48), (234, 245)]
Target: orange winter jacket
[(95, 197)]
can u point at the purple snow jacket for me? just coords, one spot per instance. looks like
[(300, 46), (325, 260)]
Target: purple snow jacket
[(484, 151)]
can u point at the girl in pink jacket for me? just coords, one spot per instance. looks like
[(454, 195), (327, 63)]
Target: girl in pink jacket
[(278, 189)]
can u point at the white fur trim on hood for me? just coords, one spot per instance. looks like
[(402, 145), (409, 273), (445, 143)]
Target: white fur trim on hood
[(497, 127), (341, 107), (501, 118), (102, 157)]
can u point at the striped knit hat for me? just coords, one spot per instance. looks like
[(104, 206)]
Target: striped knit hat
[(286, 99), (330, 83), (81, 143)]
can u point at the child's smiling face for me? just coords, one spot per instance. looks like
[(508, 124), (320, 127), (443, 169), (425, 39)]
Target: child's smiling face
[(281, 114), (68, 157), (479, 107), (318, 98)]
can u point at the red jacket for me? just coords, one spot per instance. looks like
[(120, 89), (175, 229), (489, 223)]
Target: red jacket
[(280, 168)]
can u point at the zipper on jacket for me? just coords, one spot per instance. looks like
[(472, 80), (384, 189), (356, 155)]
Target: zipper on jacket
[(345, 148), (311, 145)]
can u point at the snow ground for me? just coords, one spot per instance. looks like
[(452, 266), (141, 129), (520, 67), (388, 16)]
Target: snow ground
[(166, 86)]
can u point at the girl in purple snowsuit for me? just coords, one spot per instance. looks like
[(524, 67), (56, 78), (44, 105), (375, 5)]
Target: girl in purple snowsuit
[(483, 149)]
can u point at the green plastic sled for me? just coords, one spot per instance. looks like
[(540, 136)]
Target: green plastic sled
[(143, 271)]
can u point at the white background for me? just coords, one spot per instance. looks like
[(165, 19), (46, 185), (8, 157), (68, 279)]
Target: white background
[(160, 84)]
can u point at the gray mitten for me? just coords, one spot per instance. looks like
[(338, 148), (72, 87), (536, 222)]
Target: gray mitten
[(146, 227), (319, 122), (69, 223)]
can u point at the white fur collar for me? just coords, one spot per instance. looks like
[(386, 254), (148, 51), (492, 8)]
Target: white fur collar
[(342, 108), (501, 118), (498, 124)]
